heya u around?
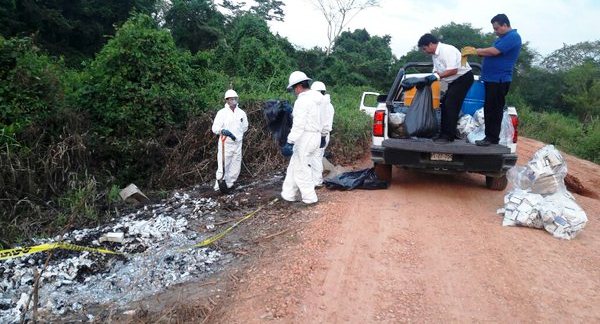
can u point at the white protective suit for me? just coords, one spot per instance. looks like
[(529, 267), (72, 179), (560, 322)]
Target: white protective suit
[(236, 122), (327, 113), (306, 137)]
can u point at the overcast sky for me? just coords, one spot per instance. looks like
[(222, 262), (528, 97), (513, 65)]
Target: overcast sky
[(545, 24)]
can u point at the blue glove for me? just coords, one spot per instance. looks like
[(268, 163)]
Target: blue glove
[(287, 149), (431, 78), (323, 141), (227, 133)]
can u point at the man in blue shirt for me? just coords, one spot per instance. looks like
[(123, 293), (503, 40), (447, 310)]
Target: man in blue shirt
[(496, 72)]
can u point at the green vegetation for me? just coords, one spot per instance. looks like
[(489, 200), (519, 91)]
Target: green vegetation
[(31, 88), (107, 93), (352, 128), (567, 133), (139, 82)]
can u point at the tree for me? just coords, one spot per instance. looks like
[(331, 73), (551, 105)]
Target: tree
[(265, 9), (358, 58), (572, 55), (582, 92), (311, 61), (194, 24), (139, 83), (31, 91), (254, 55), (542, 89), (268, 9), (339, 13), (75, 29), (458, 35)]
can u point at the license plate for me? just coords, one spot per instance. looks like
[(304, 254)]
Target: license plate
[(441, 157)]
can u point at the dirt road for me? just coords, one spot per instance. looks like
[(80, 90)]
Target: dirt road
[(429, 249)]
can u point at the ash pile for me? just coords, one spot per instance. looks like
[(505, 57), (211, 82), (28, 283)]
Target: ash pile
[(155, 242), (540, 198)]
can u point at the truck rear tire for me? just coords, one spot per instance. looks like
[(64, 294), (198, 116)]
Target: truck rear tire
[(383, 172), (496, 183)]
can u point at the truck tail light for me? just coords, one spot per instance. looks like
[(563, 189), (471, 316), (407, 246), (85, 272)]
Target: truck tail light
[(379, 123), (515, 122)]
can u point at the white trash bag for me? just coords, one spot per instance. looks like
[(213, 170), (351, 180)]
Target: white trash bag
[(561, 215), (507, 130), (477, 134), (465, 125), (479, 117), (521, 208), (540, 199)]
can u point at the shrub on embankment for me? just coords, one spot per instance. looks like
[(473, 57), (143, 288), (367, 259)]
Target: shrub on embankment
[(140, 112)]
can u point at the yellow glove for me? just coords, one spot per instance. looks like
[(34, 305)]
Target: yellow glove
[(468, 50)]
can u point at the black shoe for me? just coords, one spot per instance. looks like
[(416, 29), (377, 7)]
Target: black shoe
[(442, 139), (484, 142)]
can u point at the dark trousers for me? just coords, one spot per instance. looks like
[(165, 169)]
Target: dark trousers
[(451, 103), (493, 109)]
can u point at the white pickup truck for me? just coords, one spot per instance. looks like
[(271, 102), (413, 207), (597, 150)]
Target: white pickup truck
[(422, 153)]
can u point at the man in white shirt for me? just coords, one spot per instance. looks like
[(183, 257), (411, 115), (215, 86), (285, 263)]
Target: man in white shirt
[(447, 69), (230, 124)]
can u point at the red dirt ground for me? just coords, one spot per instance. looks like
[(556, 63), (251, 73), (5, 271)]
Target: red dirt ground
[(431, 248)]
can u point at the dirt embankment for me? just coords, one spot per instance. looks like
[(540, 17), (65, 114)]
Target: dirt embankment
[(429, 249)]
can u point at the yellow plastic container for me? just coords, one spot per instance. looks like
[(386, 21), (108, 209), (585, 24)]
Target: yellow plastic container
[(435, 93)]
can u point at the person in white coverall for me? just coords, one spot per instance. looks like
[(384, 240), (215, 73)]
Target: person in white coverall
[(230, 124), (327, 113), (303, 140)]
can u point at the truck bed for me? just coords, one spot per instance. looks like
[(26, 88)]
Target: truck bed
[(456, 147)]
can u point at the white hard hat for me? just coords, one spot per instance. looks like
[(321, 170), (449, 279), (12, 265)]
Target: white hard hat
[(230, 94), (318, 86), (297, 77)]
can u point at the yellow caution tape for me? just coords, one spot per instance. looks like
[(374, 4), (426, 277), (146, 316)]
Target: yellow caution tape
[(214, 238), (19, 252)]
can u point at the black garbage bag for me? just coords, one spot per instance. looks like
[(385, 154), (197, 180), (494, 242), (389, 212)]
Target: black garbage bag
[(409, 83), (420, 119), (361, 179), (278, 115)]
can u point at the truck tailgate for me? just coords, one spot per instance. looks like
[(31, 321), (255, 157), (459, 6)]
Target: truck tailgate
[(456, 156), (456, 147)]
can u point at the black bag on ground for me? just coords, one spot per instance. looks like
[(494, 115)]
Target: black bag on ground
[(279, 119), (420, 119), (361, 179)]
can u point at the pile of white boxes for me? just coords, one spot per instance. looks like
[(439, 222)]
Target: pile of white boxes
[(540, 199)]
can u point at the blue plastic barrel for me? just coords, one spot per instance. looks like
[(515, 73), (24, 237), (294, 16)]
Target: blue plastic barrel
[(474, 99)]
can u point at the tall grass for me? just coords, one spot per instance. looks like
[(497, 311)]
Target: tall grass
[(351, 135), (565, 132)]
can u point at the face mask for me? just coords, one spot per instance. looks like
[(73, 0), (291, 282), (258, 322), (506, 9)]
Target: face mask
[(233, 102)]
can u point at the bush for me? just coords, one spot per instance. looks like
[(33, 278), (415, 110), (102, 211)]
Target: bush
[(553, 128), (567, 133), (31, 90), (589, 147), (257, 59), (351, 135), (139, 83)]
